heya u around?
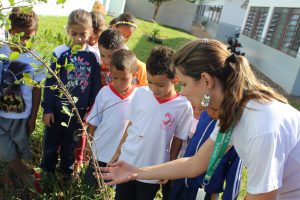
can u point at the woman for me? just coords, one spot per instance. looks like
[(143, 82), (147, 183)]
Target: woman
[(263, 128)]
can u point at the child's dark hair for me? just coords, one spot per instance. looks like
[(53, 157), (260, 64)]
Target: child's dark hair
[(160, 62), (80, 17), (98, 21), (111, 39), (113, 22), (124, 59), (126, 19), (23, 19)]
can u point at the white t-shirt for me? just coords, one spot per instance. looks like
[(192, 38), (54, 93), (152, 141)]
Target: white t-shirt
[(108, 114), (154, 123), (267, 139), (37, 75)]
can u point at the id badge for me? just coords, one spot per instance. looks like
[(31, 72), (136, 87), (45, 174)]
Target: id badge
[(200, 194)]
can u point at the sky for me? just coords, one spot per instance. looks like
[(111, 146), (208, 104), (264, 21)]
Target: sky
[(52, 9)]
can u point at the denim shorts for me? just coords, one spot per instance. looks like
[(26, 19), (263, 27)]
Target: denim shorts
[(14, 140)]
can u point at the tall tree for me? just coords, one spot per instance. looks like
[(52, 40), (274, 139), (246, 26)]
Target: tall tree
[(157, 4)]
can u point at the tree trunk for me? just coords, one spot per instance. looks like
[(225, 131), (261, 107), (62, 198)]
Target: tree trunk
[(156, 9)]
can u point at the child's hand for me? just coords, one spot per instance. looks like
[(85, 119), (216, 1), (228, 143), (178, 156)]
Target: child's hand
[(48, 119), (31, 125)]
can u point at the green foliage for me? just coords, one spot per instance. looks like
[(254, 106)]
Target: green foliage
[(14, 56)]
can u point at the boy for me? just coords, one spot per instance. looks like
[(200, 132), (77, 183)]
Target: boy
[(107, 121), (82, 82), (111, 40), (19, 103), (157, 115)]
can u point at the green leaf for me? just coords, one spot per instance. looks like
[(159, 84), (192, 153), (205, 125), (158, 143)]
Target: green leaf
[(14, 55), (26, 9), (60, 38), (69, 67), (66, 110), (35, 65), (75, 99), (64, 124), (75, 48), (12, 2), (4, 57), (29, 43), (57, 66)]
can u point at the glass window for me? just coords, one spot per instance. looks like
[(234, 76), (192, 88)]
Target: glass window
[(255, 22), (284, 30)]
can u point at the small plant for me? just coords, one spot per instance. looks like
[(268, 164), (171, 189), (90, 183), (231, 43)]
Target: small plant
[(154, 37)]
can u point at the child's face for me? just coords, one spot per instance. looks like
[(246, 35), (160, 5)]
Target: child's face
[(161, 86), (94, 37), (126, 31), (28, 33), (79, 34), (106, 55), (122, 80)]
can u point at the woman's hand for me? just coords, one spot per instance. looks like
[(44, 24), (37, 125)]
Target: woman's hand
[(119, 172)]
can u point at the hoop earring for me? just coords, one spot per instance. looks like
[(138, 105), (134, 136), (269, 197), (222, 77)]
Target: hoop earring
[(205, 100)]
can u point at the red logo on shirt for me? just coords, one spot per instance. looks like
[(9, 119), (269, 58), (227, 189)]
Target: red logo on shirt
[(168, 118), (167, 122)]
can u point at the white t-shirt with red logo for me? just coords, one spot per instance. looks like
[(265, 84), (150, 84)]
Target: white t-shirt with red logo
[(108, 114), (154, 123)]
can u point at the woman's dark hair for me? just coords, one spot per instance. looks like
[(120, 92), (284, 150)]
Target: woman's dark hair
[(160, 62), (22, 19), (239, 82)]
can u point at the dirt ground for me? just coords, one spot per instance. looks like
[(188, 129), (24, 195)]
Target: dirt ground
[(198, 31)]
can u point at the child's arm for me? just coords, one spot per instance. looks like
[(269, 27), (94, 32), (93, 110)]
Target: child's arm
[(36, 100), (175, 148), (91, 130), (118, 151)]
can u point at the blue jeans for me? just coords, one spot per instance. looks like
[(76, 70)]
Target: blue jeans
[(60, 140)]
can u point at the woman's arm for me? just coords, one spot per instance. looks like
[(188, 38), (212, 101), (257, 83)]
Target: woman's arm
[(269, 195), (120, 171)]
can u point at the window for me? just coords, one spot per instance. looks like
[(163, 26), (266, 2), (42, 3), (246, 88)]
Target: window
[(255, 22), (284, 30)]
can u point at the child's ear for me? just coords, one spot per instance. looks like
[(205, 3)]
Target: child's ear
[(175, 80)]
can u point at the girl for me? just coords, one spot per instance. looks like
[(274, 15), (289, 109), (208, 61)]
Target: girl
[(19, 106), (83, 82), (263, 128)]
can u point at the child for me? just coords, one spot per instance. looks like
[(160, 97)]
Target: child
[(126, 24), (158, 115), (19, 103), (229, 168), (107, 121), (109, 41), (83, 82), (98, 27)]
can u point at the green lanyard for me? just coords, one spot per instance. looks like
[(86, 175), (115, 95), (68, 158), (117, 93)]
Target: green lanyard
[(220, 148)]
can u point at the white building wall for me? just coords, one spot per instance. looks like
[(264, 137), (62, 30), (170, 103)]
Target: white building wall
[(230, 21), (176, 13), (116, 7), (280, 67)]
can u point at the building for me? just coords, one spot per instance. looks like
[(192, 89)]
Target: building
[(221, 18), (271, 40), (175, 13), (114, 7)]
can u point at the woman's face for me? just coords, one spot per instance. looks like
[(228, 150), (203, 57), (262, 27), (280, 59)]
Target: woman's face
[(191, 89)]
